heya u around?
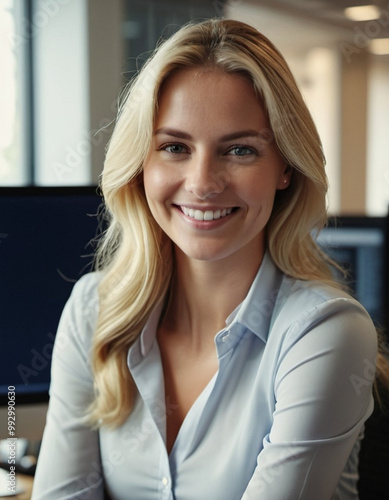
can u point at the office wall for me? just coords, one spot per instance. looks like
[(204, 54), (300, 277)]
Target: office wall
[(354, 95), (61, 87), (377, 166), (80, 59), (106, 66), (77, 75)]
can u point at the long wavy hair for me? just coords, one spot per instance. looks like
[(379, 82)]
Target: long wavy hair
[(135, 255)]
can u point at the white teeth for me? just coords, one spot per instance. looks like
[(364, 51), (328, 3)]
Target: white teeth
[(207, 215), (199, 215)]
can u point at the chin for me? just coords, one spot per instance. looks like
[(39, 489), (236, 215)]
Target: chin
[(205, 254)]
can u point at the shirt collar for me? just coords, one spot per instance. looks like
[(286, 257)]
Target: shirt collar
[(255, 312), (142, 345), (149, 331)]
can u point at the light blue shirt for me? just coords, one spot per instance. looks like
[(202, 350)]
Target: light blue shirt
[(280, 420)]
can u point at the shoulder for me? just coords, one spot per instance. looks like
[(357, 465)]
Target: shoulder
[(87, 285), (298, 298), (79, 317), (85, 297), (326, 337), (301, 306)]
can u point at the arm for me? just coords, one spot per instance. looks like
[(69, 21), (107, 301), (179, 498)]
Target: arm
[(323, 396), (69, 465)]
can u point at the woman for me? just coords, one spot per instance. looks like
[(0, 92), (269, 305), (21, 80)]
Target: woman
[(211, 357)]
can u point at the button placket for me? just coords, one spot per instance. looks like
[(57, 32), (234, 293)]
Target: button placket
[(166, 487)]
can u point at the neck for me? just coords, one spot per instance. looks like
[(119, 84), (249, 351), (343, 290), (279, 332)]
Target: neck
[(205, 294)]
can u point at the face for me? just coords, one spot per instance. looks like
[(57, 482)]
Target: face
[(213, 167)]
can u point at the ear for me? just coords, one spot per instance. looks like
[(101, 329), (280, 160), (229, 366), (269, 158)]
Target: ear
[(285, 178)]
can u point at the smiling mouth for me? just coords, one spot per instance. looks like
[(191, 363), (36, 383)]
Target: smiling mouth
[(206, 215)]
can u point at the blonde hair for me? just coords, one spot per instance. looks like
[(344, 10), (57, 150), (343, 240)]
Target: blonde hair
[(135, 254)]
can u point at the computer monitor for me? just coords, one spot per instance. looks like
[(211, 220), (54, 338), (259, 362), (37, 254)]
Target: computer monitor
[(360, 245), (46, 236)]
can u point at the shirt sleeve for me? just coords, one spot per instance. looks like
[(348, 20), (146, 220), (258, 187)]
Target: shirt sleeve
[(69, 465), (323, 394)]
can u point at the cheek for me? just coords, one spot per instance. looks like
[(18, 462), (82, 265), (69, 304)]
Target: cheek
[(259, 192), (155, 181), (161, 185)]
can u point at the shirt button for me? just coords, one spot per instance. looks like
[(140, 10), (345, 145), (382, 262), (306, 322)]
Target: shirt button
[(225, 337), (165, 482)]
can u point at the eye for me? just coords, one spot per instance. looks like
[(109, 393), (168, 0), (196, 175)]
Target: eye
[(173, 148), (241, 151)]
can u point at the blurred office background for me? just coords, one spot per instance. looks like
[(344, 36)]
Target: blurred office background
[(63, 63)]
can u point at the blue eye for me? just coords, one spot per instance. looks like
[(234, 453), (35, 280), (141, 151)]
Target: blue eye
[(174, 148), (241, 151)]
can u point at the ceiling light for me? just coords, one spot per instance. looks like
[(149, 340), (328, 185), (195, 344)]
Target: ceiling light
[(379, 46), (363, 13)]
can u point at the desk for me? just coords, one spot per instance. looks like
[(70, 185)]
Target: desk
[(24, 482)]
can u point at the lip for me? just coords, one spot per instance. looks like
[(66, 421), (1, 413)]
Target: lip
[(203, 207)]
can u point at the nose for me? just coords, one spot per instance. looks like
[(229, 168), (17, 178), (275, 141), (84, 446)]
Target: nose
[(206, 178)]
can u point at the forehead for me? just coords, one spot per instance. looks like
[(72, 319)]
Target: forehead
[(197, 77), (210, 95)]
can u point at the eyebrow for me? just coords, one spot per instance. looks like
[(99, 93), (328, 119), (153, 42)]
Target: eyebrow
[(229, 137)]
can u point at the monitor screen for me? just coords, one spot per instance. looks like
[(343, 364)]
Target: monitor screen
[(46, 245), (360, 245)]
